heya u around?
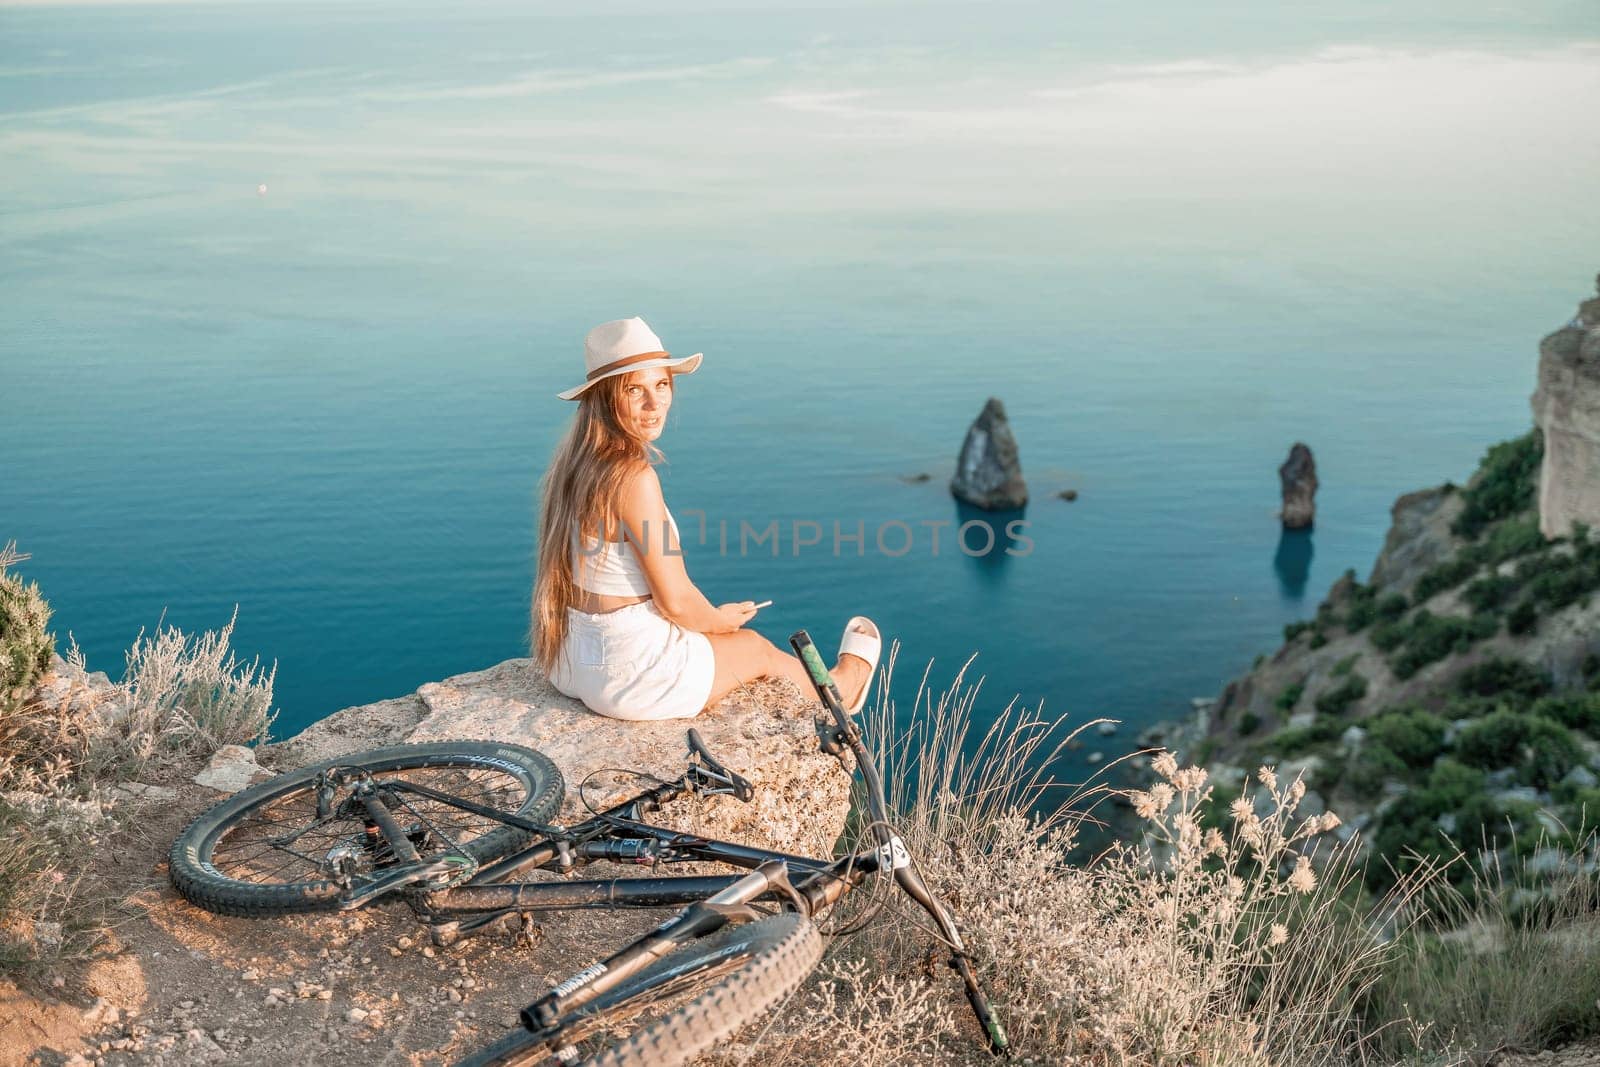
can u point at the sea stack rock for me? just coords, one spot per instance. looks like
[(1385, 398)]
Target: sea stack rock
[(1566, 406), (1299, 477), (988, 472)]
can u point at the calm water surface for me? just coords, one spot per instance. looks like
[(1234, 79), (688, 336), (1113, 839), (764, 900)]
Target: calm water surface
[(1173, 243)]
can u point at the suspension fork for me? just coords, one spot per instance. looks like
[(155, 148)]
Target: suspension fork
[(845, 733)]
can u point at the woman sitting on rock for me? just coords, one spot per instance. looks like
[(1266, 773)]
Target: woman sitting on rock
[(617, 623)]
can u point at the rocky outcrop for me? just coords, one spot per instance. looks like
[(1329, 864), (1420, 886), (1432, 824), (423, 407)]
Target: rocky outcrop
[(763, 731), (1419, 537), (1566, 405), (231, 768), (1298, 476), (988, 471)]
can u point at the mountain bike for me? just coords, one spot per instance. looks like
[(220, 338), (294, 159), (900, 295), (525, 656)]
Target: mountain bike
[(448, 826)]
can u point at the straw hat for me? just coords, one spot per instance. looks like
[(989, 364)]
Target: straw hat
[(622, 346)]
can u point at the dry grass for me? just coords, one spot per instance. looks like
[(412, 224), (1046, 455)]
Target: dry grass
[(187, 695), (1188, 947), (180, 699), (1512, 964)]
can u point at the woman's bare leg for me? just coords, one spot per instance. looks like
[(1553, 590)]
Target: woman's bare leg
[(744, 655)]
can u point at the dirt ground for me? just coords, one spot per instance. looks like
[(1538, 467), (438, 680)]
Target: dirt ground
[(170, 984)]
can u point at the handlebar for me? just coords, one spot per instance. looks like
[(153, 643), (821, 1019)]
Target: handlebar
[(741, 787)]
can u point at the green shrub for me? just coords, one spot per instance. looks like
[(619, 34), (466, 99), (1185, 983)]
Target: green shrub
[(1432, 637), (1337, 701), (1363, 605), (1513, 538), (1576, 711), (1388, 636), (1552, 751), (1295, 629), (1346, 665), (26, 645), (1249, 723), (1452, 785), (1290, 696), (1392, 606), (1508, 484), (1318, 638), (1541, 750), (1360, 616), (1522, 619), (1447, 575), (1553, 582), (1371, 767), (1489, 593), (1494, 740), (1411, 825), (1502, 676), (1298, 740), (1414, 735)]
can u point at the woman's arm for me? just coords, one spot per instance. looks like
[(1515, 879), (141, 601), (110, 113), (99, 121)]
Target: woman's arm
[(643, 511)]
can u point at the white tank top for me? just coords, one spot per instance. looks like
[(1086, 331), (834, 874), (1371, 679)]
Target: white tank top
[(612, 567)]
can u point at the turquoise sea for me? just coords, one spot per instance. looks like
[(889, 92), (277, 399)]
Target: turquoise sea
[(1174, 239)]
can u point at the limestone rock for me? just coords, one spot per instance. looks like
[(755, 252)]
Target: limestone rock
[(988, 471), (145, 793), (232, 768), (1298, 476), (1566, 406), (383, 722), (1581, 777), (764, 732), (1419, 537)]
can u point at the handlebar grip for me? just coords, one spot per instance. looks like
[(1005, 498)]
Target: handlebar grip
[(803, 647)]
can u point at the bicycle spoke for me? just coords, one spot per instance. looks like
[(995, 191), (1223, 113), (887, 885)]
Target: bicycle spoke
[(286, 842)]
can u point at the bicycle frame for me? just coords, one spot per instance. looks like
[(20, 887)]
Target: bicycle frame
[(810, 885)]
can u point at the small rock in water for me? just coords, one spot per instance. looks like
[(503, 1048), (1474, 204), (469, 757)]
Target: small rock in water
[(988, 471), (1068, 494), (916, 479), (1108, 729), (1299, 478), (1094, 757)]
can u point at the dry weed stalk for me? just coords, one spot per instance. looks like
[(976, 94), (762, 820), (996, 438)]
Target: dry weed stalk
[(1218, 946), (186, 694), (1510, 964)]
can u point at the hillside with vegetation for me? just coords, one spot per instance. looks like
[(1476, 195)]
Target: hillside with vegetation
[(1456, 705)]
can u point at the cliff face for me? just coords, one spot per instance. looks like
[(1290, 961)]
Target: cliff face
[(1566, 406), (1419, 537)]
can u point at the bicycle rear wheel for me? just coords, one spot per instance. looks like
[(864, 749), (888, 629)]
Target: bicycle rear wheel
[(266, 851), (679, 1006)]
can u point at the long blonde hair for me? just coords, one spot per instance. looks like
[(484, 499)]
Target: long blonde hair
[(579, 491)]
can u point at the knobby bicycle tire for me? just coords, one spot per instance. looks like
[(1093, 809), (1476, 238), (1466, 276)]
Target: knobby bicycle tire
[(529, 786), (769, 959)]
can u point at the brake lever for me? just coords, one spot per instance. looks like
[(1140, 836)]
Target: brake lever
[(736, 783)]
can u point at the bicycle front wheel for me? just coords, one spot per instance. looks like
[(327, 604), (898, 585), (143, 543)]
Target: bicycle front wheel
[(268, 851), (678, 1007)]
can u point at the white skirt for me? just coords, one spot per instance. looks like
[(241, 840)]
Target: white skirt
[(634, 663)]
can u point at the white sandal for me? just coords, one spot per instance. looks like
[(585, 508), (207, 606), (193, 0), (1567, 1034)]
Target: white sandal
[(865, 646)]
